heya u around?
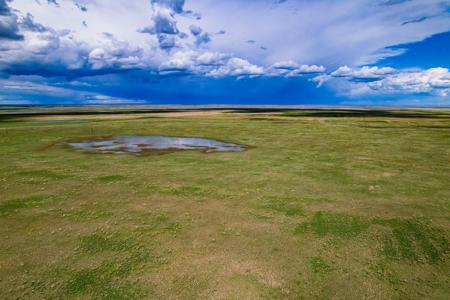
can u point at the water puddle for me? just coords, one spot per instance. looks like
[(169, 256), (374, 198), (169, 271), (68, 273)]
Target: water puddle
[(146, 145)]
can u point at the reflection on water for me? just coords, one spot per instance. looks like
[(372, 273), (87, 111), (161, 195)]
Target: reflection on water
[(149, 144)]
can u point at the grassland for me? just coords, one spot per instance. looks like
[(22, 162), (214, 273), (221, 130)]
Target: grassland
[(326, 204)]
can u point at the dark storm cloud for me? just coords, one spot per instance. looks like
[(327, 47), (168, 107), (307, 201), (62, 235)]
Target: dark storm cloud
[(9, 28), (4, 8)]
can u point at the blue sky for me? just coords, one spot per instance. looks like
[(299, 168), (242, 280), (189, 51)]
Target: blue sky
[(322, 52)]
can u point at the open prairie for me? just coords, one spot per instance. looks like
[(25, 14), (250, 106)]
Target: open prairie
[(322, 204)]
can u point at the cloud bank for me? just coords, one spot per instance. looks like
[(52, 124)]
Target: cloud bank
[(339, 49)]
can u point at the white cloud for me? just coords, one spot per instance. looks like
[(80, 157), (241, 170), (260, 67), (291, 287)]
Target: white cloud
[(351, 32), (15, 102), (291, 68), (190, 61), (8, 23), (17, 90), (212, 58), (298, 38), (321, 79), (108, 100), (363, 73), (322, 32), (237, 67), (432, 81), (174, 5), (119, 54)]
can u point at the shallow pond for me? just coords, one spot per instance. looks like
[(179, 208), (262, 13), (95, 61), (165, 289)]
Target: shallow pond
[(152, 144)]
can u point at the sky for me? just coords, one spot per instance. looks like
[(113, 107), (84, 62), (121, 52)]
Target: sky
[(235, 52)]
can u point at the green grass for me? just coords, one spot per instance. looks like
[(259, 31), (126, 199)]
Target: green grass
[(318, 265), (96, 243), (326, 204), (111, 275), (110, 280), (337, 225), (49, 174), (414, 241), (288, 207), (104, 283), (10, 207), (111, 178)]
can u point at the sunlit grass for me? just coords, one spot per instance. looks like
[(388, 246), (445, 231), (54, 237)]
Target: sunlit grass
[(324, 204)]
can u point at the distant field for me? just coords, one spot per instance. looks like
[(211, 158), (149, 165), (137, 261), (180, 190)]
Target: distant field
[(325, 204)]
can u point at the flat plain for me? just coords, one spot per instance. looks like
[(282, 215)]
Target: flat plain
[(324, 204)]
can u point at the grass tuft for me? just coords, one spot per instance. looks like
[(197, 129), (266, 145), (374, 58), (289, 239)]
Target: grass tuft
[(48, 174), (337, 225), (96, 243), (318, 265), (186, 191), (111, 178), (12, 206), (159, 224), (111, 279), (414, 241), (285, 206), (85, 214), (108, 281)]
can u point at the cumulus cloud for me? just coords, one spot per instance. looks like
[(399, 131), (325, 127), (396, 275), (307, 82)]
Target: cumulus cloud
[(378, 81), (432, 81), (237, 67), (116, 54), (41, 50), (212, 64), (364, 73), (195, 30), (177, 41), (201, 63), (29, 24), (48, 52), (4, 8), (216, 64), (291, 68), (203, 38), (174, 5), (164, 23), (9, 28)]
